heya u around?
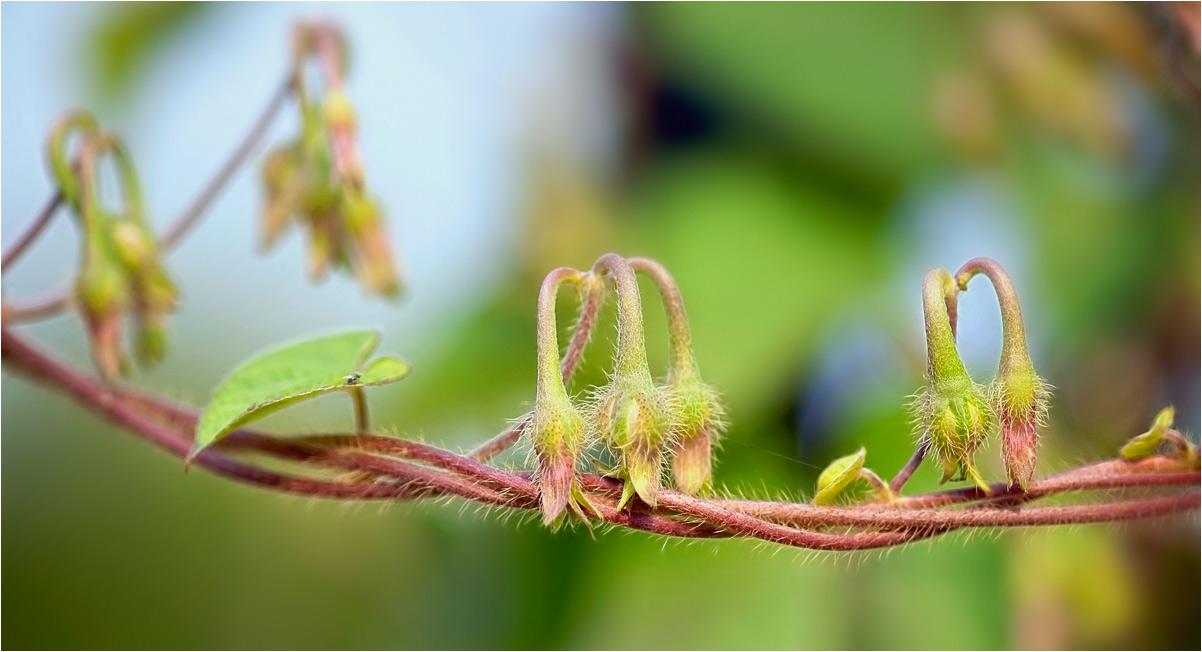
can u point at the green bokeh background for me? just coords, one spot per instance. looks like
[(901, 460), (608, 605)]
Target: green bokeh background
[(776, 161)]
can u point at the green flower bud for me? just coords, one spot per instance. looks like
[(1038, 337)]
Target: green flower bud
[(135, 248), (633, 415), (152, 337), (556, 435), (284, 185), (636, 422), (103, 295), (1018, 396), (556, 430), (952, 411), (696, 417), (373, 256), (339, 113)]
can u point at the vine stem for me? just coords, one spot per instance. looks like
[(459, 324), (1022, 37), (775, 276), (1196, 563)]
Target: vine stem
[(35, 229), (50, 306), (196, 209), (911, 466), (438, 472)]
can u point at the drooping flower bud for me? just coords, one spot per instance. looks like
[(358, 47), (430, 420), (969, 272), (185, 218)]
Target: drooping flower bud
[(121, 270), (318, 178), (372, 259), (557, 429), (633, 415), (696, 412), (952, 411), (103, 296), (1018, 396)]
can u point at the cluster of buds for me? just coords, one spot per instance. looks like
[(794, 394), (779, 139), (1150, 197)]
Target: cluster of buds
[(120, 270), (633, 414), (641, 421), (697, 419), (953, 413), (318, 181)]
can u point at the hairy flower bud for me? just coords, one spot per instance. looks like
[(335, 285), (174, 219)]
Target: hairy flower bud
[(373, 256), (636, 422), (318, 180), (556, 429), (952, 411), (121, 270), (1018, 396), (556, 434), (696, 417), (633, 415), (103, 295)]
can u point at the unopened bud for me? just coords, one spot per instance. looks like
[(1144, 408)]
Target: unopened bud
[(134, 246), (556, 434), (637, 424), (952, 411), (696, 422), (339, 112), (696, 411), (1018, 396), (556, 430)]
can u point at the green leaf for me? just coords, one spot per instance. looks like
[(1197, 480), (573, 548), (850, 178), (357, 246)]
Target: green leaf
[(1145, 445), (838, 475), (279, 378)]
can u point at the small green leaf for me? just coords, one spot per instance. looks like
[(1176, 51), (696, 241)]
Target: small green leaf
[(279, 378), (838, 475), (1164, 419), (1145, 445)]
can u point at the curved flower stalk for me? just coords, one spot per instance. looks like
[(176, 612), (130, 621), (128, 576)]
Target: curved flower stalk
[(952, 411), (634, 416), (557, 429), (1018, 396), (697, 419), (318, 179), (120, 269)]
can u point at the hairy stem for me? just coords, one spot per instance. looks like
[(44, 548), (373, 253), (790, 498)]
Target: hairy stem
[(911, 466), (439, 472), (682, 361), (196, 209), (359, 400), (35, 229), (630, 364)]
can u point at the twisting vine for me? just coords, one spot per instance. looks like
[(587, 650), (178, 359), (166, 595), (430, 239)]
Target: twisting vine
[(645, 425)]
